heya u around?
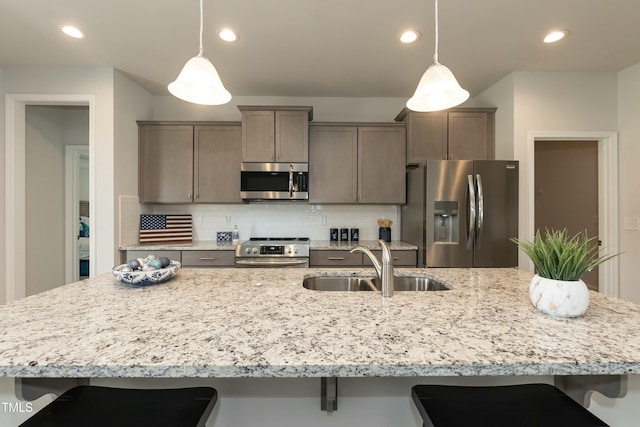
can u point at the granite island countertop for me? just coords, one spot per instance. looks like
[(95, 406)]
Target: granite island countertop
[(263, 323)]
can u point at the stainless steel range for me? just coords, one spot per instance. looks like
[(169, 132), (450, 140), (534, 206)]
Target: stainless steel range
[(269, 252)]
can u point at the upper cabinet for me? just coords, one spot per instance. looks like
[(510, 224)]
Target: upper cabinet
[(275, 134), (357, 164), (189, 162), (216, 163), (165, 156), (456, 134)]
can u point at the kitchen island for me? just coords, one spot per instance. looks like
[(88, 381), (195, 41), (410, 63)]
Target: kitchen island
[(262, 323)]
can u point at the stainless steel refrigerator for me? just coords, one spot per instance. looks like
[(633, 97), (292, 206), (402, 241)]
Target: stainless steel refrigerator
[(462, 213)]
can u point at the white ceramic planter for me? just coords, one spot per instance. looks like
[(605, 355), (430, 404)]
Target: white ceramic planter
[(559, 297)]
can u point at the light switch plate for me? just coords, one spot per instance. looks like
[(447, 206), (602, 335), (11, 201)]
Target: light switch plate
[(631, 223)]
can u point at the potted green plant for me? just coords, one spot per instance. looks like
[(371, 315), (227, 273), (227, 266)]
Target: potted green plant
[(560, 262)]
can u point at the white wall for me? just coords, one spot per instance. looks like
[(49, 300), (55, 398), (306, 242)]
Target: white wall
[(325, 109), (501, 94), (131, 103), (2, 190), (629, 157), (98, 83)]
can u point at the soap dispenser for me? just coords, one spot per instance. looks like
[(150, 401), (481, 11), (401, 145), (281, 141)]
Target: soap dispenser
[(235, 235)]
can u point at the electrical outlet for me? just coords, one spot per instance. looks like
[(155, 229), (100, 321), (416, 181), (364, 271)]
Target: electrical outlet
[(199, 219), (227, 220), (631, 223), (323, 220)]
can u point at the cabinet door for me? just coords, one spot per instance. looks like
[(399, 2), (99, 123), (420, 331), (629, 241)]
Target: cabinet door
[(401, 258), (382, 163), (258, 137), (217, 157), (166, 164), (427, 137), (333, 164), (292, 136), (470, 137), (208, 258), (334, 259)]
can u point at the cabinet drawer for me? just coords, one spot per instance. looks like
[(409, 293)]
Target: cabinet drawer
[(208, 258), (334, 259), (400, 258), (140, 253)]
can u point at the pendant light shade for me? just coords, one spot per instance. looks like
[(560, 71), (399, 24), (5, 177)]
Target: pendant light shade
[(438, 88), (199, 82)]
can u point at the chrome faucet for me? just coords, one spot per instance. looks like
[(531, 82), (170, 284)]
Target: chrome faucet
[(384, 269)]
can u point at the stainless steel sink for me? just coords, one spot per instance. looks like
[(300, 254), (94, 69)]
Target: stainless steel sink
[(414, 284), (351, 283), (336, 283)]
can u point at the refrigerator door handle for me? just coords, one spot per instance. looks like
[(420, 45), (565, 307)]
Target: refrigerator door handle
[(480, 211), (471, 227)]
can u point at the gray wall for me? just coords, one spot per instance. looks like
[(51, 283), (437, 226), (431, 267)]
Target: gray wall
[(48, 130)]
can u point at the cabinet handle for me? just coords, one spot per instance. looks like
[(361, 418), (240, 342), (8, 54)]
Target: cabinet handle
[(336, 258), (207, 258), (189, 196)]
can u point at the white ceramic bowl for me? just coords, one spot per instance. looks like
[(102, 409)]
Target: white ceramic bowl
[(142, 278)]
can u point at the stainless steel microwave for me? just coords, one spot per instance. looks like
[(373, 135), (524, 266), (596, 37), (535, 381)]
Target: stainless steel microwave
[(274, 181)]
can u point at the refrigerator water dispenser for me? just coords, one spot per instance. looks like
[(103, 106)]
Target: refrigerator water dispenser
[(446, 222)]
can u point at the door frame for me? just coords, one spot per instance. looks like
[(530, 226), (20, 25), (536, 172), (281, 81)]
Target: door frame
[(608, 222), (15, 204)]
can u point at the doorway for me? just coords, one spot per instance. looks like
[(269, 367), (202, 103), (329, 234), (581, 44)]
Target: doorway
[(566, 190), (53, 134), (608, 221), (15, 202)]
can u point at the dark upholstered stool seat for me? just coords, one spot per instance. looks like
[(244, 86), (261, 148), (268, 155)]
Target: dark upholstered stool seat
[(527, 405), (94, 406)]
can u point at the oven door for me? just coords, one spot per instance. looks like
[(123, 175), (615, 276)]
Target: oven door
[(272, 262)]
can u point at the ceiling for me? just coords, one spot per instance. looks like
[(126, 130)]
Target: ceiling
[(341, 48)]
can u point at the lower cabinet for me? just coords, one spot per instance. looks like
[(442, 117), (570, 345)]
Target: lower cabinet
[(334, 259), (190, 258), (208, 258), (338, 258), (400, 258), (141, 253)]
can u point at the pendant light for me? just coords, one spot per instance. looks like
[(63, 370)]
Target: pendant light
[(438, 89), (199, 82)]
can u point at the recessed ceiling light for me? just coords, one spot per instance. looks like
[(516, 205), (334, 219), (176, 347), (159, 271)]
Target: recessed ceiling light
[(72, 31), (555, 36), (409, 36), (228, 35)]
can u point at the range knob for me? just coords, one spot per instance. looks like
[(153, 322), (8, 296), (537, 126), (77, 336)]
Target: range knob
[(255, 251), (247, 251)]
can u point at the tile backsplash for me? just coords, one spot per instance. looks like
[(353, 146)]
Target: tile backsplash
[(283, 219)]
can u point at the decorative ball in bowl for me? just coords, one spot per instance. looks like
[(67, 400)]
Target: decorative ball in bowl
[(146, 271)]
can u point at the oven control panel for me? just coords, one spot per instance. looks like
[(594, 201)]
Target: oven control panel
[(269, 249)]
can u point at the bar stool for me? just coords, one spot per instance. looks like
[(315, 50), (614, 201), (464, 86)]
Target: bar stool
[(96, 406), (526, 405)]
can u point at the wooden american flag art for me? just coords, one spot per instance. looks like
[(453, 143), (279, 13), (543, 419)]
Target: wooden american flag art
[(165, 228)]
